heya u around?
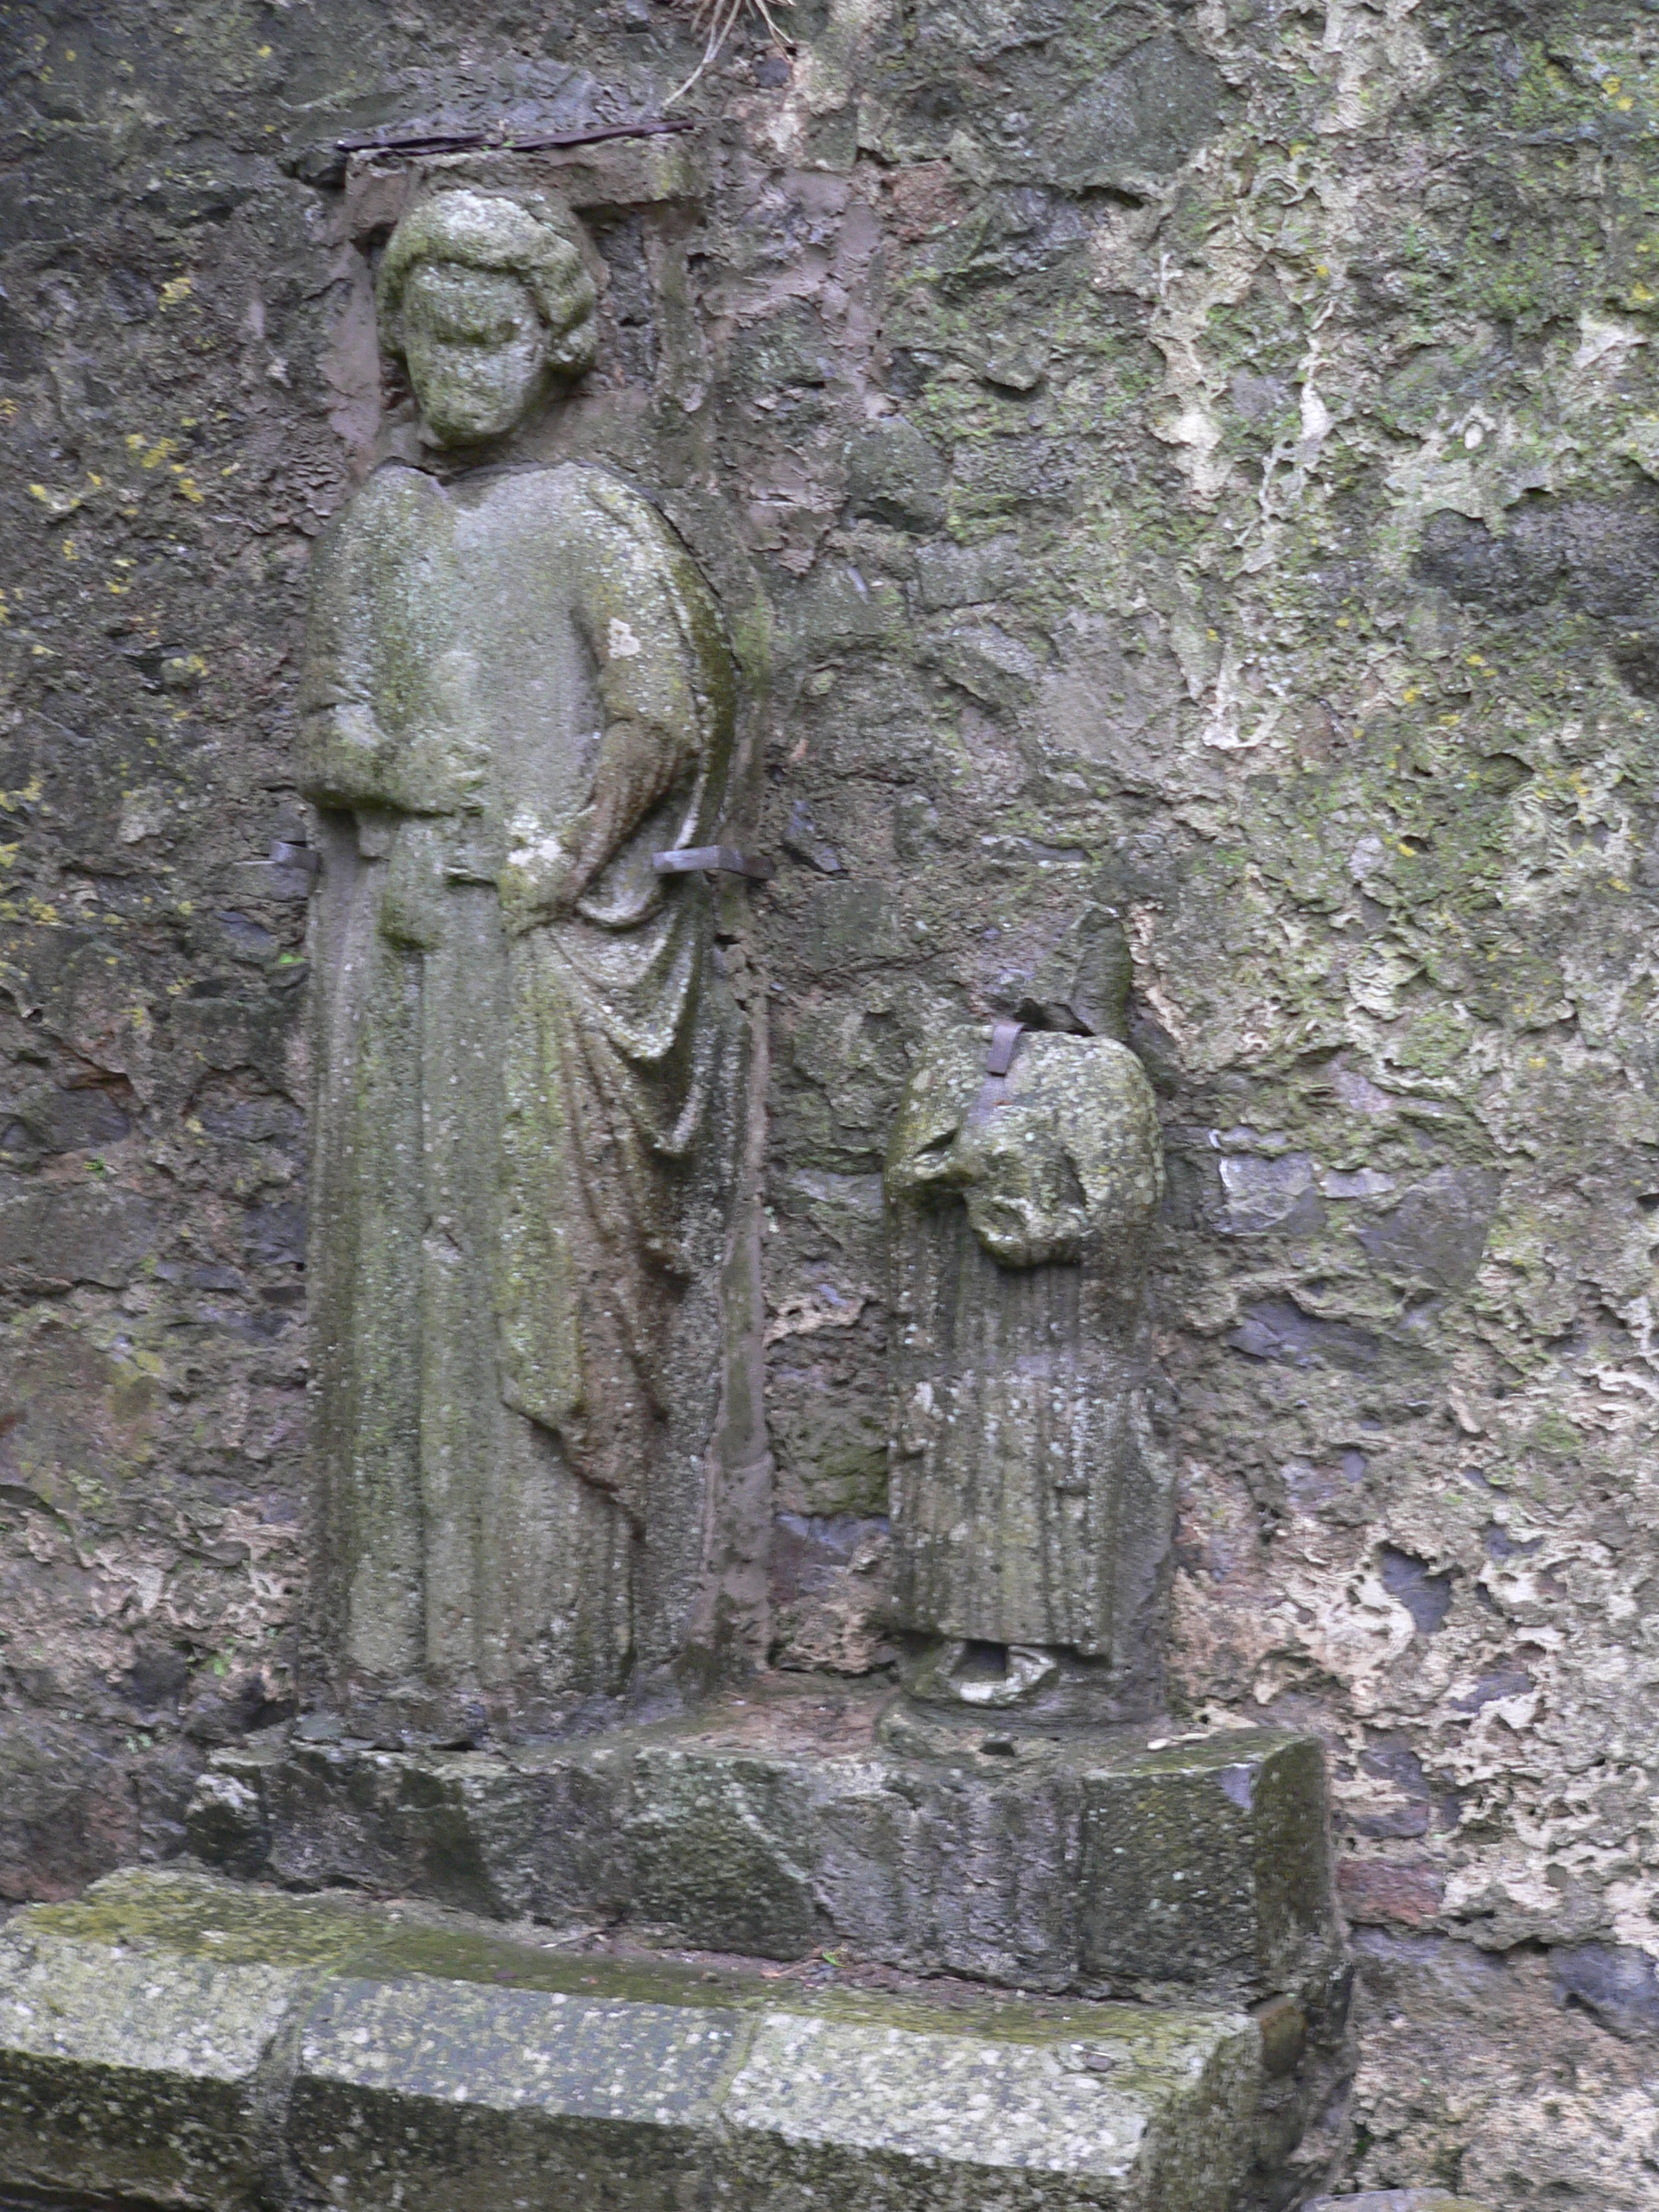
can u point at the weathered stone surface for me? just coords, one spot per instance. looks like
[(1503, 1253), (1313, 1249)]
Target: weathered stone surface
[(894, 475), (440, 2094), (179, 2039), (827, 2108), (1195, 1841), (49, 1239), (134, 2071), (1042, 1862), (1437, 2051), (1138, 120), (65, 1811)]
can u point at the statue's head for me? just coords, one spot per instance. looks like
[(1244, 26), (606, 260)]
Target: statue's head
[(485, 301)]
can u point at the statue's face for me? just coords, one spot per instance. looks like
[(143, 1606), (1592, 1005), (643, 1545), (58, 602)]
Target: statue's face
[(477, 350)]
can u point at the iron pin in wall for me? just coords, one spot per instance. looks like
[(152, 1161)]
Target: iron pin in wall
[(688, 860), (1005, 1039)]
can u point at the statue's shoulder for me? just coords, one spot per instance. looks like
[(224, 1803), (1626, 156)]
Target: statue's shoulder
[(579, 496), (590, 479), (612, 502), (619, 515), (396, 487), (945, 1077), (1094, 1075)]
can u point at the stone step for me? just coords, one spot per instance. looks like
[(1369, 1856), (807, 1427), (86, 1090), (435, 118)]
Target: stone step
[(173, 2039), (1111, 1864), (1396, 2199)]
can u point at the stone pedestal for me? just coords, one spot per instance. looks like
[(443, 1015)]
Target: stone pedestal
[(1109, 1862), (1396, 2199), (803, 1946), (839, 1833)]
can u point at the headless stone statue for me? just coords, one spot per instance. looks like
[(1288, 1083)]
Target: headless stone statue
[(516, 690), (1029, 1514)]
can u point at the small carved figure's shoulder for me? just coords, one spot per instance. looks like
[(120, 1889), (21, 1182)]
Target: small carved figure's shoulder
[(1114, 1062), (1110, 1070), (947, 1077), (1107, 1112)]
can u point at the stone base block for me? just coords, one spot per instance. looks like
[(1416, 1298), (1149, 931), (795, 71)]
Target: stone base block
[(1396, 2199), (1110, 1863), (177, 2040), (135, 2071)]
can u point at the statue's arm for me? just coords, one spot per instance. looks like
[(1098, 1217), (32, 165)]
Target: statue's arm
[(665, 681), (345, 759), (341, 754), (649, 676)]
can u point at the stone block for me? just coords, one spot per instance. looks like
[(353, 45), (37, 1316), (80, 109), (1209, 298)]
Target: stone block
[(58, 1234), (895, 476), (127, 2068), (419, 2092), (849, 2113), (800, 1818), (1396, 2199), (1204, 1862), (177, 2039)]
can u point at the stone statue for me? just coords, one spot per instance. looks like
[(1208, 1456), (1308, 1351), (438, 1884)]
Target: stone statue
[(516, 690), (1029, 1514)]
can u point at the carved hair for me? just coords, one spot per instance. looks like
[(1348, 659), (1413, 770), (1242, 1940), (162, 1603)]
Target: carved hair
[(481, 232)]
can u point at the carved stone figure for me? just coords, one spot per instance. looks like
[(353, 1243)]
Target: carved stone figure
[(1029, 1514), (516, 688)]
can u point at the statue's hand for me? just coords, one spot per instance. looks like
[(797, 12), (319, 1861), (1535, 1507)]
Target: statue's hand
[(443, 772), (536, 882)]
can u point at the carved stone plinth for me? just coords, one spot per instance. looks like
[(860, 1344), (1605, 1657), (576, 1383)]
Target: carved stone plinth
[(1396, 2199), (794, 1821)]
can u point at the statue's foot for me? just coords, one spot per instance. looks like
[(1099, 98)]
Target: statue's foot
[(980, 1677), (955, 1686)]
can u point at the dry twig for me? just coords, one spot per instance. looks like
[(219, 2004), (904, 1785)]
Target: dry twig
[(716, 19)]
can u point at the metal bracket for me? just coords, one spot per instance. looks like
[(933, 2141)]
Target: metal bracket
[(690, 859), (1005, 1038), (497, 139)]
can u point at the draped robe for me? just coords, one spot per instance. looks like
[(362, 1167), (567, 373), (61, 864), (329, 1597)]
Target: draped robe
[(513, 1103)]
